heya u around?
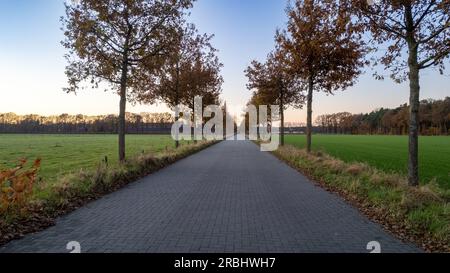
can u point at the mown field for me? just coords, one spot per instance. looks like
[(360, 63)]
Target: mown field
[(387, 153), (62, 154)]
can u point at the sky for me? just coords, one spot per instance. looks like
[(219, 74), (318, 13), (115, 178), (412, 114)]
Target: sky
[(32, 63)]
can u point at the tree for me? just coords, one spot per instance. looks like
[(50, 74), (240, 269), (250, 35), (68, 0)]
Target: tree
[(120, 42), (433, 120), (324, 47), (203, 80), (175, 76), (421, 28), (274, 85), (229, 122)]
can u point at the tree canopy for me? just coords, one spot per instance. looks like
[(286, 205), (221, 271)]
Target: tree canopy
[(123, 43)]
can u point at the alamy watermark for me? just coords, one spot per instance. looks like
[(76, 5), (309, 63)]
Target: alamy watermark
[(373, 246), (208, 123), (73, 247)]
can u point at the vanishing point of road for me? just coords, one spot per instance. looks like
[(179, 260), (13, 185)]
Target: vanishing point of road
[(228, 198)]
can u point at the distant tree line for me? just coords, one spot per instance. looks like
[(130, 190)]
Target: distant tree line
[(143, 123), (434, 120)]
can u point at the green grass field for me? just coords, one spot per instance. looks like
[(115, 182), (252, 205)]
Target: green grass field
[(387, 153), (62, 154), (66, 153)]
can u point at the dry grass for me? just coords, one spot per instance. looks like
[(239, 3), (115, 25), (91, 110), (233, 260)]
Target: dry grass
[(356, 169)]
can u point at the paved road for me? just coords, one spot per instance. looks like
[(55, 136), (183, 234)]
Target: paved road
[(228, 198)]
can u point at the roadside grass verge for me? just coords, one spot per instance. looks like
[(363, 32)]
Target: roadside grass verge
[(420, 215), (71, 191)]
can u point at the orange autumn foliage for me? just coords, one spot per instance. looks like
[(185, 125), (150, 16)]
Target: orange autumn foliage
[(16, 185)]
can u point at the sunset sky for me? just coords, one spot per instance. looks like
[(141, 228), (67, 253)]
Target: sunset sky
[(32, 63)]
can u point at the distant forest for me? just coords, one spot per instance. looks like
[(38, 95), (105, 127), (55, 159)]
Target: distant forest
[(143, 123), (434, 120)]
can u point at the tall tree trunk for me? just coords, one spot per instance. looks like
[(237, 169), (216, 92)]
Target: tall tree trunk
[(414, 103), (309, 114), (413, 162), (194, 127), (177, 142), (193, 121), (282, 116), (282, 124), (123, 103), (177, 102)]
